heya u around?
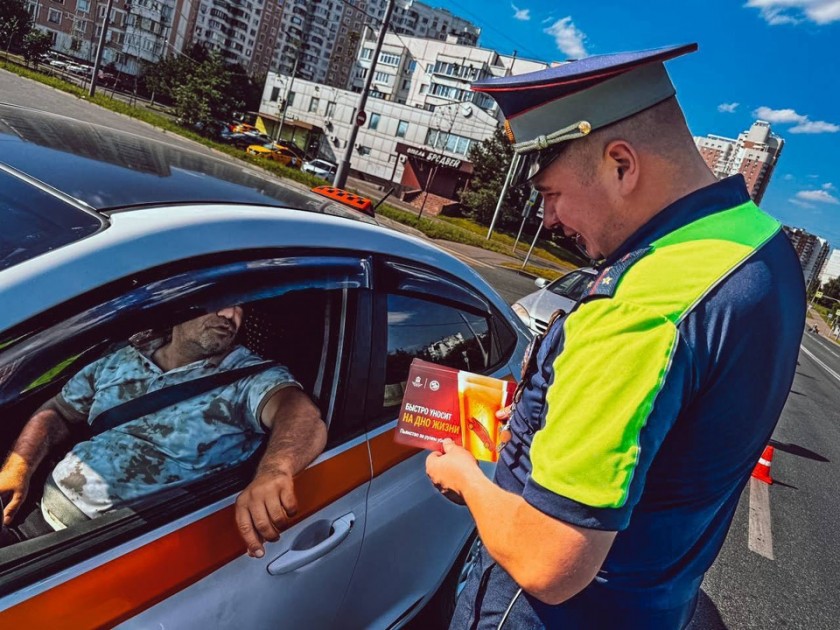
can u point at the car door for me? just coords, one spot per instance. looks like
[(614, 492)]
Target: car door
[(413, 534), (176, 560)]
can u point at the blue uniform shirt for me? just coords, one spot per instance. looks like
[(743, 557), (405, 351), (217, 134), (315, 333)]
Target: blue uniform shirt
[(664, 468)]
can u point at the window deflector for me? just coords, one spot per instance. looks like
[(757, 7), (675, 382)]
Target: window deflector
[(415, 281), (156, 302)]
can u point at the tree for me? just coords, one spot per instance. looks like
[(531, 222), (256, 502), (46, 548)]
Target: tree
[(36, 44), (15, 23), (206, 94), (491, 161)]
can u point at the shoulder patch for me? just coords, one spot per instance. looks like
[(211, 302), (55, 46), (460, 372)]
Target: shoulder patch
[(607, 281)]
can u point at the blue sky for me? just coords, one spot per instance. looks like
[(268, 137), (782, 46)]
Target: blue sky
[(778, 60)]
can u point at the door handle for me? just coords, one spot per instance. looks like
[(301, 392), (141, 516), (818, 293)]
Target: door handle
[(302, 551)]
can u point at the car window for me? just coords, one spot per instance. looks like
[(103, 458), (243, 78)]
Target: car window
[(433, 332), (566, 285), (105, 355)]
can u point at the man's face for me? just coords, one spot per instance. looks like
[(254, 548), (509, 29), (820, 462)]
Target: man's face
[(210, 334), (577, 202)]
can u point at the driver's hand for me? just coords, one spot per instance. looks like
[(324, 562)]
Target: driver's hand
[(263, 508), (14, 485)]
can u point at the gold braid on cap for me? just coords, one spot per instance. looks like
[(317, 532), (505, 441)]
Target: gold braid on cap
[(509, 132), (575, 130)]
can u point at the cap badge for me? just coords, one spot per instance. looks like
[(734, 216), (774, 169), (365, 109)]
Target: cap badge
[(584, 127)]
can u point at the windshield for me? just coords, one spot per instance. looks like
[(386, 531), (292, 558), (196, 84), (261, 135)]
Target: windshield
[(35, 222)]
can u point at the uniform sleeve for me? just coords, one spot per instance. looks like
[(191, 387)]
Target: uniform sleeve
[(617, 389), (261, 387), (77, 395)]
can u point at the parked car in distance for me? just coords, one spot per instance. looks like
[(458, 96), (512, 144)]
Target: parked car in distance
[(320, 168), (100, 247), (246, 139), (536, 309), (276, 152)]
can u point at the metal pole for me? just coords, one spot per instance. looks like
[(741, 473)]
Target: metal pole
[(426, 194), (100, 48), (536, 236), (513, 162), (286, 98), (521, 227), (344, 166)]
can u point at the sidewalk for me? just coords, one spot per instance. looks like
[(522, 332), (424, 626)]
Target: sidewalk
[(812, 317)]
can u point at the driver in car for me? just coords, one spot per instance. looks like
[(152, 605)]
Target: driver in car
[(176, 444)]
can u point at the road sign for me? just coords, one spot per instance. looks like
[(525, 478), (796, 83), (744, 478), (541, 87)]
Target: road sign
[(818, 295), (361, 117)]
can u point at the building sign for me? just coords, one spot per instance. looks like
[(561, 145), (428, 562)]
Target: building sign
[(429, 156)]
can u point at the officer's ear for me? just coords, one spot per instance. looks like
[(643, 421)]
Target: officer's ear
[(622, 164)]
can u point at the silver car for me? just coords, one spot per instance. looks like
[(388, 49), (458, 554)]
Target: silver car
[(106, 235), (536, 309)]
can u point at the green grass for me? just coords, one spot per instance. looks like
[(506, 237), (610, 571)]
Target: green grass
[(459, 230)]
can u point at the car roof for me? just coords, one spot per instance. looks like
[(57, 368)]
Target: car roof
[(108, 170), (157, 236)]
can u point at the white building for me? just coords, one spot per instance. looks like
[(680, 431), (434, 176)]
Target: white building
[(812, 251), (831, 269), (428, 73), (409, 147)]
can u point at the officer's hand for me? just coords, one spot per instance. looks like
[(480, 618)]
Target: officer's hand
[(264, 508), (14, 486), (450, 470)]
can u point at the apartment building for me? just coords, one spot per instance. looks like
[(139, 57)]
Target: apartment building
[(754, 154), (831, 268), (323, 35), (429, 73), (812, 251)]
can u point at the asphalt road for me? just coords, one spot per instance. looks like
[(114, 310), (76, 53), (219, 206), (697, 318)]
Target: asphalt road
[(794, 585)]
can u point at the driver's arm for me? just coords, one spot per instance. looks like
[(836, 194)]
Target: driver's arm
[(298, 435), (44, 430)]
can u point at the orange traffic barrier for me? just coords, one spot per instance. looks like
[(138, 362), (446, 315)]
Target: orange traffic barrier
[(762, 468), (363, 204)]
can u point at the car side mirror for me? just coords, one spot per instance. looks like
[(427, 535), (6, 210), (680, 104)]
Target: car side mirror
[(541, 282)]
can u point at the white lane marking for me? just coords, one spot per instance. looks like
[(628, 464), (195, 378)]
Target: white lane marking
[(760, 537), (824, 344), (820, 363)]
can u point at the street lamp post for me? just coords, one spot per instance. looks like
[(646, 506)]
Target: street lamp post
[(344, 167), (100, 48)]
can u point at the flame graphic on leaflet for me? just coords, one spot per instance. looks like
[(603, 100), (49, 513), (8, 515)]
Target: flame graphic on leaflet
[(476, 427)]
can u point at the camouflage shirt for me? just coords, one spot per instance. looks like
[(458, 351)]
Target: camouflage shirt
[(174, 445)]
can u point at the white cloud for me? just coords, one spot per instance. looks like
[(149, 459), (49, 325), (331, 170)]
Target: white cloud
[(568, 38), (547, 20), (520, 14), (776, 12), (829, 186), (801, 204), (779, 115), (728, 108), (788, 177), (815, 126), (820, 196), (790, 117)]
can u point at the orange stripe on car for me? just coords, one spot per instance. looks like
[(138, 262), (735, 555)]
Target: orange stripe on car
[(125, 586)]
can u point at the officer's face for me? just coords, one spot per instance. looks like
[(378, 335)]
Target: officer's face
[(579, 202), (211, 334)]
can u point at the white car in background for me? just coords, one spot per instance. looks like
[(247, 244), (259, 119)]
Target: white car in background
[(319, 168), (535, 309)]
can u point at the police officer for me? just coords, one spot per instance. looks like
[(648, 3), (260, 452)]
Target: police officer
[(642, 412)]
